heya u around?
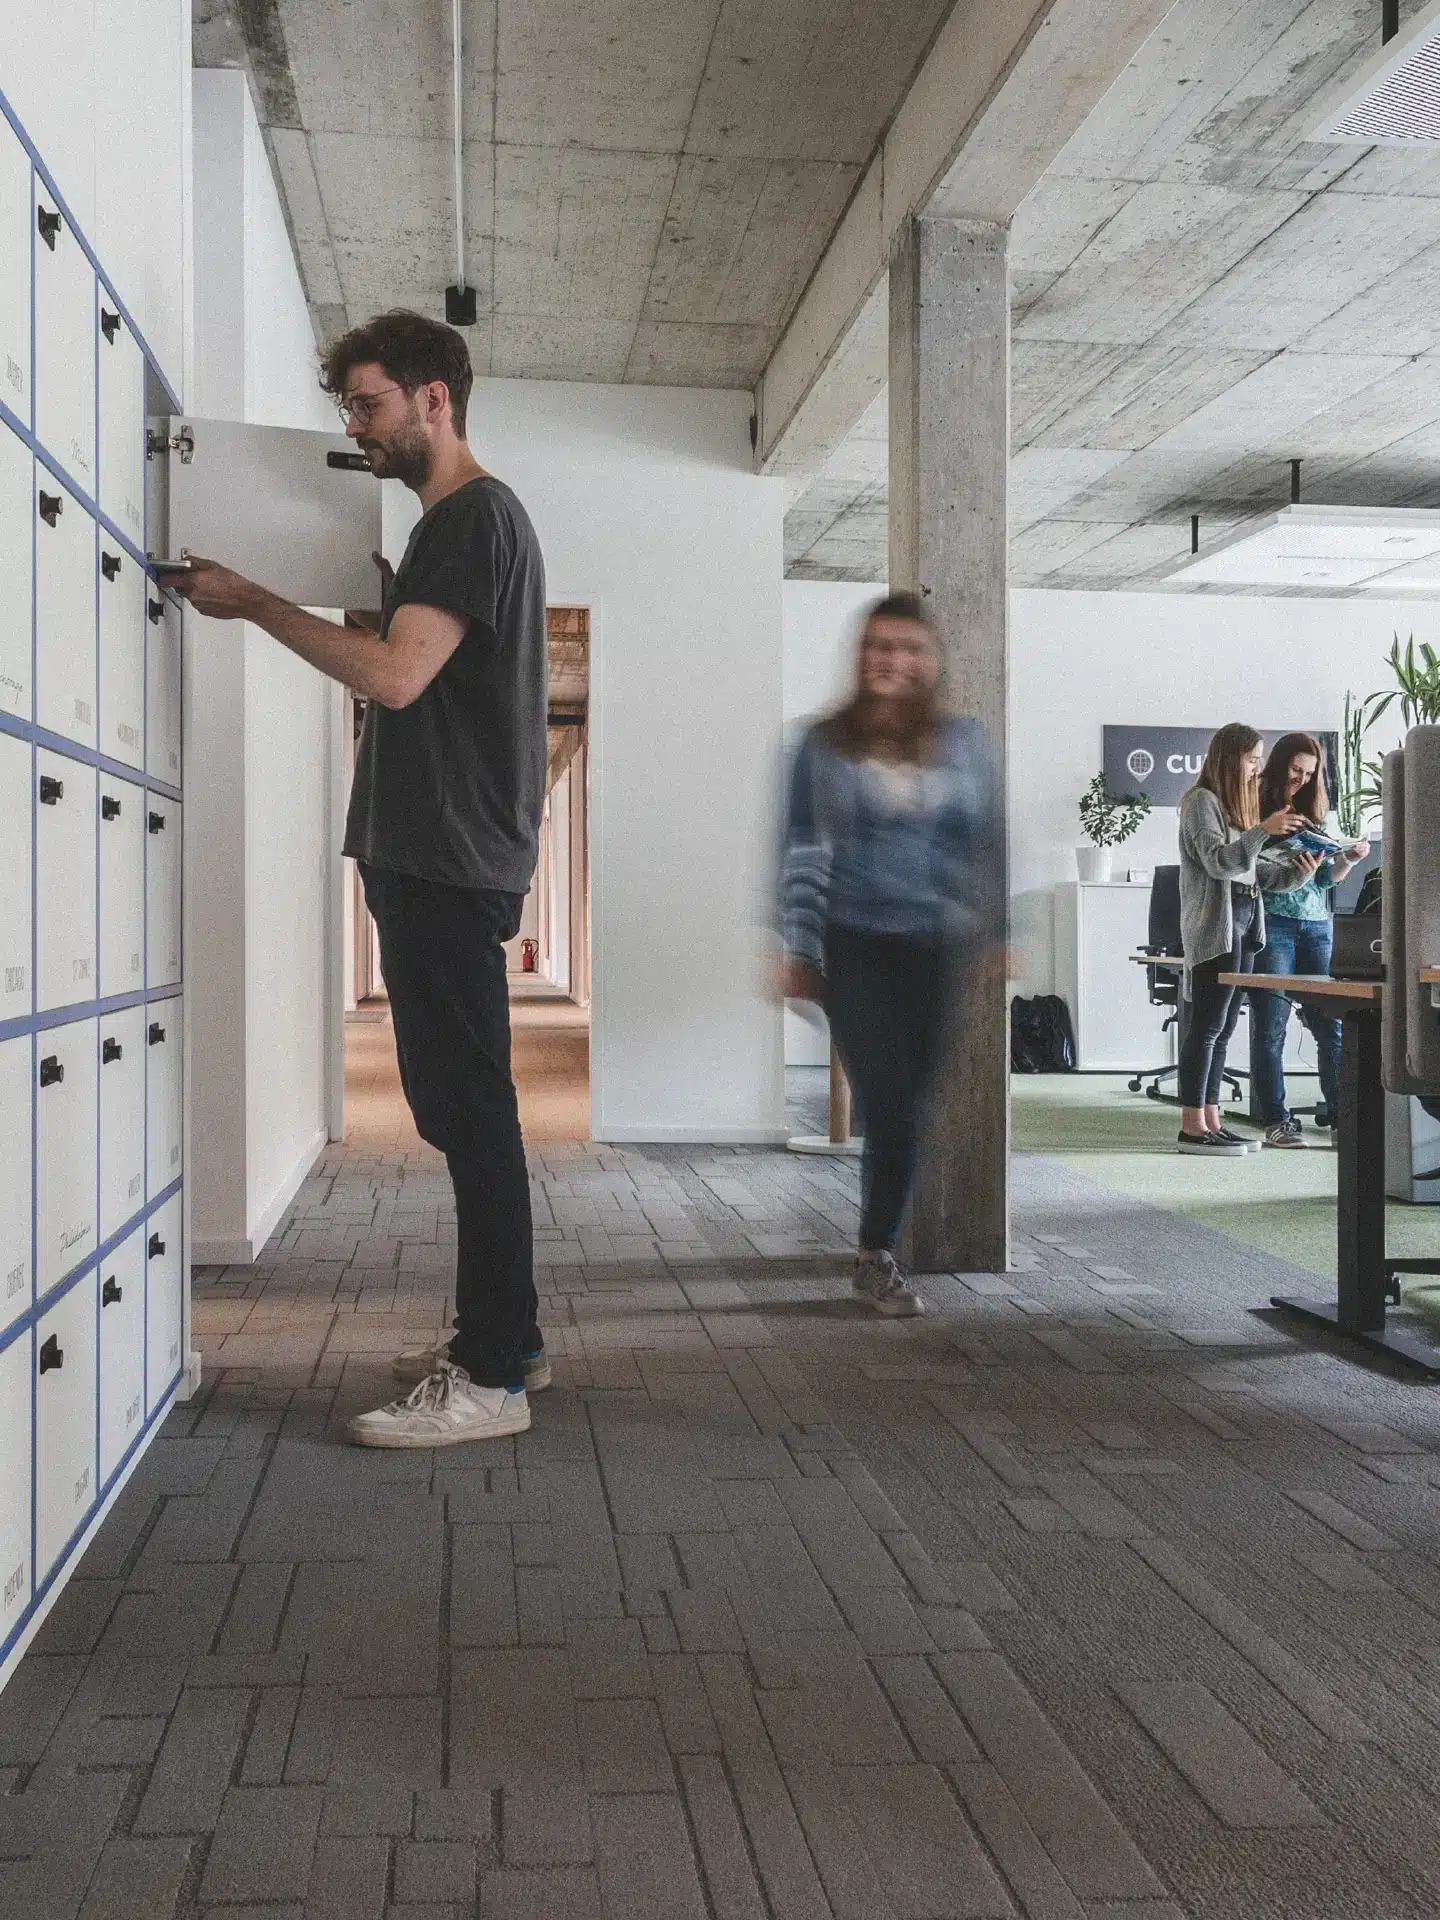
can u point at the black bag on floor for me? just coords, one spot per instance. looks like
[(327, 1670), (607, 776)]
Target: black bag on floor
[(1042, 1039)]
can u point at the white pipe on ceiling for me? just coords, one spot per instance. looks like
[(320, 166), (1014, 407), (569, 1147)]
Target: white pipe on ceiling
[(458, 116)]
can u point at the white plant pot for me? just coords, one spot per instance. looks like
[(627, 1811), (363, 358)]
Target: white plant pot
[(1094, 863)]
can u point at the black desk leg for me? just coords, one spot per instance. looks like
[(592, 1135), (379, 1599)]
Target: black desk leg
[(1360, 1178)]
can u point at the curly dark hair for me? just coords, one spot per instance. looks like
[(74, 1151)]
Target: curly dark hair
[(411, 350)]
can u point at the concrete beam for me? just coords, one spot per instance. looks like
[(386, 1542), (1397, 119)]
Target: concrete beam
[(1005, 85)]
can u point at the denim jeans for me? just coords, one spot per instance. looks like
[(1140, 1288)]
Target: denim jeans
[(1291, 946)]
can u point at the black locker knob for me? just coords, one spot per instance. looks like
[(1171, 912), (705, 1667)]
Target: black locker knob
[(109, 807), (157, 1033), (51, 1355), (156, 823), (111, 1293), (51, 506), (52, 791), (110, 325), (157, 1245), (155, 609), (50, 224), (111, 1050), (110, 565), (51, 1071)]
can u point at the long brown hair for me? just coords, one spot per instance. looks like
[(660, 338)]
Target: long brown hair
[(908, 727), (1311, 799), (1223, 775)]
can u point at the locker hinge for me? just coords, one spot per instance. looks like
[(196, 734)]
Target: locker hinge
[(112, 1050), (110, 565), (156, 1245), (109, 807), (51, 1071), (157, 1033), (182, 443), (51, 1354), (50, 224), (110, 325), (111, 1293)]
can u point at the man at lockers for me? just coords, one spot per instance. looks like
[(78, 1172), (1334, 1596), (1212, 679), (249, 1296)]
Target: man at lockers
[(444, 823)]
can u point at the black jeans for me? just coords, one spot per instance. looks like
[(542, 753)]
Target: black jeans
[(441, 950), (885, 996), (1213, 1012)]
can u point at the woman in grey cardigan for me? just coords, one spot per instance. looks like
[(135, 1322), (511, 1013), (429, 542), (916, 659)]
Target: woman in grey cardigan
[(1222, 919)]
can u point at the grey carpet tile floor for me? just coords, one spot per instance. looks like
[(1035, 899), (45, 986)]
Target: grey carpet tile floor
[(1093, 1595)]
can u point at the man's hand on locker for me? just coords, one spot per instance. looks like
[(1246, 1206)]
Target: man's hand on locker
[(216, 591)]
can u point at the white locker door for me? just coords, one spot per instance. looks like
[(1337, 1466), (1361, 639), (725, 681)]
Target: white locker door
[(15, 218), (122, 424), (15, 1174), (162, 891), (122, 1350), (163, 1302), (17, 597), (164, 1059), (66, 1093), (122, 1118), (122, 654), (15, 1446), (16, 776), (122, 887), (162, 689), (66, 1424), (64, 612), (65, 792), (64, 343)]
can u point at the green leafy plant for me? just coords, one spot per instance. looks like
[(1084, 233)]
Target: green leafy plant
[(1418, 690), (1106, 818), (1358, 800)]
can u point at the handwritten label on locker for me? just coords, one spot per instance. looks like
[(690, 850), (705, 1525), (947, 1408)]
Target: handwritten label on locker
[(81, 969), (10, 689), (15, 1586), (82, 1486), (175, 1153), (84, 713), (174, 1353), (14, 1280), (72, 1236), (17, 979), (132, 1412), (15, 373), (134, 1187), (79, 457), (129, 736)]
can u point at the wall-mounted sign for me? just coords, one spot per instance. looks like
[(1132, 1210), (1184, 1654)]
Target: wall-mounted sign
[(1162, 762)]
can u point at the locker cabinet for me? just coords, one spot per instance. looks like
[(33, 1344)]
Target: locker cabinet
[(16, 775), (122, 1350), (122, 423), (122, 887), (64, 611), (16, 1584), (162, 689), (122, 654), (65, 322), (163, 1309), (65, 795), (67, 1120), (162, 891), (164, 1082), (15, 201), (15, 1178), (66, 1426), (122, 1118), (17, 600)]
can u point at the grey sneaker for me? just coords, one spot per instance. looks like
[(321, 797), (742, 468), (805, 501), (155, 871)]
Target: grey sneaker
[(1285, 1133), (444, 1410), (880, 1283), (415, 1364)]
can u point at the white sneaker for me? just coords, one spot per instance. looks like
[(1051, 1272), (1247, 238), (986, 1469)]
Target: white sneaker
[(879, 1282), (444, 1409), (415, 1364)]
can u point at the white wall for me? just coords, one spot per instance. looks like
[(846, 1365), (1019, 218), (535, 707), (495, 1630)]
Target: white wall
[(650, 515)]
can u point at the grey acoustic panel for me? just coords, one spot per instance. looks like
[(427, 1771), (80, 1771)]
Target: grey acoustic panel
[(1421, 904)]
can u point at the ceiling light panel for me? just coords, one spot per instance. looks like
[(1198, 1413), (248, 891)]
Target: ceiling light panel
[(1320, 550), (1395, 100)]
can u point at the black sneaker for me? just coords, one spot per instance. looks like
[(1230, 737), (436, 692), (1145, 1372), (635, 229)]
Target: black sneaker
[(1211, 1145), (1237, 1139)]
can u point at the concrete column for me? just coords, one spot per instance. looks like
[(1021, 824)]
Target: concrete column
[(949, 462)]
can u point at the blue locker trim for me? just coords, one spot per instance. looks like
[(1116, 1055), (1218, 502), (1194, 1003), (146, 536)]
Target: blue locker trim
[(24, 1023), (87, 756), (41, 1304), (72, 485)]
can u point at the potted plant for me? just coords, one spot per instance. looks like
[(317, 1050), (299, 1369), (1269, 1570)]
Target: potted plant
[(1108, 820), (1417, 689)]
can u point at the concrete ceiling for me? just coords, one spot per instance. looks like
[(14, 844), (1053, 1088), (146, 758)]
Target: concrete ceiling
[(648, 183), (1199, 296)]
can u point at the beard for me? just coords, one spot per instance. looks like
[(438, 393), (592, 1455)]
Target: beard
[(404, 455)]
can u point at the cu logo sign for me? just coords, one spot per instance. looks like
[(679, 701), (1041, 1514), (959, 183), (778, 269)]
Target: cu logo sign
[(1141, 763)]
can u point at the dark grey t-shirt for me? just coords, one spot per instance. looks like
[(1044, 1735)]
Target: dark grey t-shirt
[(451, 788)]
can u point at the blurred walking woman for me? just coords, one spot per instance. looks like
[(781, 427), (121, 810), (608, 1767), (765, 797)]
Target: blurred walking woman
[(889, 878), (1222, 920)]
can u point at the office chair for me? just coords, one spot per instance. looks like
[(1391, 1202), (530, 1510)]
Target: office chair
[(1164, 984)]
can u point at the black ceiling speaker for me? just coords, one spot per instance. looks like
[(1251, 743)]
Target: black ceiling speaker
[(460, 306)]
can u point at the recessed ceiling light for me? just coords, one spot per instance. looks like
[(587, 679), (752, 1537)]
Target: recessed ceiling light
[(1395, 98)]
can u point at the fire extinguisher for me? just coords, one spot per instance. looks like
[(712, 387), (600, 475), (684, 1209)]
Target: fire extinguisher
[(528, 950)]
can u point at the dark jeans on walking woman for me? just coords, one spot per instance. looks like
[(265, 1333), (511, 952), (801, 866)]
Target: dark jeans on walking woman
[(1291, 946), (443, 957), (1213, 1012), (885, 997)]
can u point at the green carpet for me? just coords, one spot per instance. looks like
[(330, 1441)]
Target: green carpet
[(1280, 1202)]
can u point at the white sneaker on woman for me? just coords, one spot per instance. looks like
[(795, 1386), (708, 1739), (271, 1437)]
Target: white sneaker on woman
[(880, 1283), (444, 1409)]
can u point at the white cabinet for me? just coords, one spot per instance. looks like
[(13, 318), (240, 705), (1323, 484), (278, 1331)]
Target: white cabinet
[(162, 891), (66, 1394), (64, 612), (15, 1178), (122, 887), (122, 1350), (15, 1443), (15, 217), (66, 1139), (1097, 928), (122, 1118), (64, 343), (122, 654), (164, 1313), (164, 1081), (65, 792), (122, 423), (15, 780), (17, 598), (162, 689)]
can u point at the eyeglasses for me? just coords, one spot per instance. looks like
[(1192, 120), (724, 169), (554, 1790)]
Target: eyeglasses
[(361, 406)]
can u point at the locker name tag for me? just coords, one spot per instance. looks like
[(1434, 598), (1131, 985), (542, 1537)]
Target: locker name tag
[(15, 1585), (132, 1412), (11, 689), (134, 1187), (82, 1486), (72, 1236), (16, 979), (130, 735), (15, 374), (14, 1281)]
